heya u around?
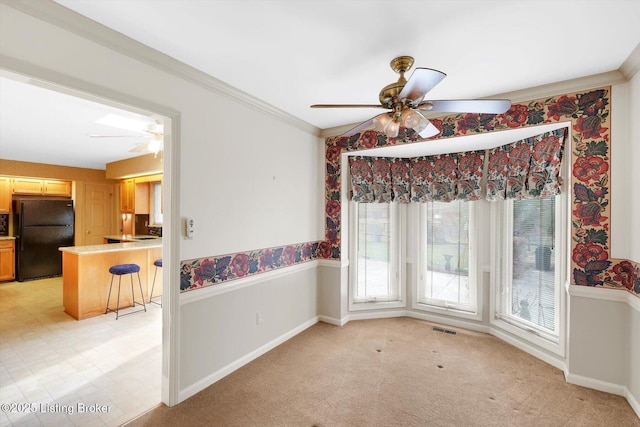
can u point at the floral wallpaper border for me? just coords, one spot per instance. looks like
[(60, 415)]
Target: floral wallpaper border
[(202, 272), (589, 115)]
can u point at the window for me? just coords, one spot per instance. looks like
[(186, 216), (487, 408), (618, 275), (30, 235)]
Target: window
[(375, 274), (528, 266), (156, 203), (446, 272)]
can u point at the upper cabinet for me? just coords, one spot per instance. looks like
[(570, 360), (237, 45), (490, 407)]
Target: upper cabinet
[(142, 198), (27, 186), (57, 188), (10, 186), (136, 194), (40, 187), (128, 196), (5, 195)]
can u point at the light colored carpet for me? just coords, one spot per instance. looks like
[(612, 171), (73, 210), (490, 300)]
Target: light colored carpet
[(394, 372)]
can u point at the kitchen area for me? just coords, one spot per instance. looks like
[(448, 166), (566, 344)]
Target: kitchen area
[(93, 187), (77, 228)]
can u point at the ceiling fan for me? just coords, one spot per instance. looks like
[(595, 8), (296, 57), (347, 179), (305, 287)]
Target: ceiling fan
[(405, 100), (153, 133)]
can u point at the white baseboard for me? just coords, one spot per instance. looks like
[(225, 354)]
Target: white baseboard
[(595, 384), (331, 320), (635, 405), (373, 315), (606, 387), (223, 372)]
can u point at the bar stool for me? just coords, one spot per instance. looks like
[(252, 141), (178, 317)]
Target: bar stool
[(120, 270), (157, 263)]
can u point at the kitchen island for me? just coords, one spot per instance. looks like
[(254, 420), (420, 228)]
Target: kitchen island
[(123, 238), (86, 277)]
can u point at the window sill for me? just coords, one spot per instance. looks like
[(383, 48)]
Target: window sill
[(361, 306), (447, 311), (531, 337)]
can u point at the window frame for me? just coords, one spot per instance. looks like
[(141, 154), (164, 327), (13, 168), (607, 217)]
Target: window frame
[(500, 252), (475, 275), (398, 232), (156, 204)]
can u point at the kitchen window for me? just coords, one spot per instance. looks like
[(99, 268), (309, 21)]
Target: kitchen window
[(156, 203)]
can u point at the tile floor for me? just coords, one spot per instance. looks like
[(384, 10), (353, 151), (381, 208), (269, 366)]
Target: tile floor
[(93, 372)]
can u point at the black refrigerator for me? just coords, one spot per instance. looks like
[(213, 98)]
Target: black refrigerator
[(41, 226)]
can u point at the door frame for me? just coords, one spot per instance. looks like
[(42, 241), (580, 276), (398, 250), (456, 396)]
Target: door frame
[(171, 178)]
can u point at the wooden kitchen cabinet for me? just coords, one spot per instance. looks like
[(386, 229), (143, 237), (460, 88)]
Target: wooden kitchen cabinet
[(40, 187), (57, 188), (27, 186), (142, 198), (7, 259), (128, 196), (5, 195)]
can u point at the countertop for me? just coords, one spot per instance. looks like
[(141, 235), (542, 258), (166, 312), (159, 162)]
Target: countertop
[(7, 238), (131, 237), (112, 247)]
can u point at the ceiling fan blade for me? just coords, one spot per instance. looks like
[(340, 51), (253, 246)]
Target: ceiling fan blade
[(362, 126), (429, 131), (421, 81), (115, 136), (347, 106), (485, 106), (140, 147)]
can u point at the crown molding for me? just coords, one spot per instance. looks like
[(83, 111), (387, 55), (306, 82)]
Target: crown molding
[(631, 65), (69, 20), (609, 78)]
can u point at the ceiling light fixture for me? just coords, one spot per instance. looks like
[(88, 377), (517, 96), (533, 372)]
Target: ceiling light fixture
[(390, 123), (155, 145), (121, 122)]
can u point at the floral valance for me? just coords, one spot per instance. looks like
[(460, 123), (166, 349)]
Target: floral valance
[(529, 168), (523, 169), (447, 177), (379, 179)]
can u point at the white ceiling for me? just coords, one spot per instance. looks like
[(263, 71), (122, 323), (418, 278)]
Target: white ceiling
[(292, 54)]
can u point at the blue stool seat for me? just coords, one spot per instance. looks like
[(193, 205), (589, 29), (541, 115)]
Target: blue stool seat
[(120, 270), (157, 263)]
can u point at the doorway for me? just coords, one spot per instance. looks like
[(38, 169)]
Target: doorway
[(169, 118)]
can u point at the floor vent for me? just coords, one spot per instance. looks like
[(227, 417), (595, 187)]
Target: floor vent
[(446, 331)]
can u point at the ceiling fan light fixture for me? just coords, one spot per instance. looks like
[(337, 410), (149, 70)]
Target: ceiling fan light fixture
[(412, 118), (380, 122), (421, 126), (155, 146), (392, 129)]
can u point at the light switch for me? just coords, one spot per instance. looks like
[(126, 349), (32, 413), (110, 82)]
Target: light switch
[(190, 227)]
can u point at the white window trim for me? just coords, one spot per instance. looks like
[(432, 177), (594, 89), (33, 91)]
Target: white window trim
[(562, 241), (397, 260), (475, 273)]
